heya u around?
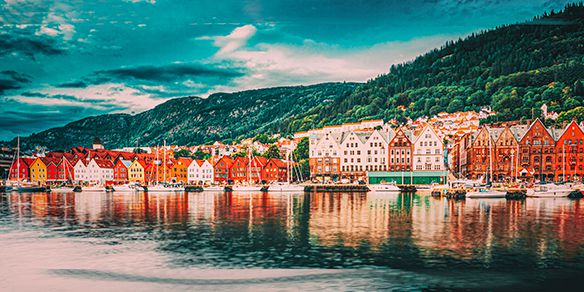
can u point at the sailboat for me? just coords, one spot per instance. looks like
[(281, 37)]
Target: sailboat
[(163, 187), (287, 186), (65, 189), (487, 192), (249, 187), (26, 188)]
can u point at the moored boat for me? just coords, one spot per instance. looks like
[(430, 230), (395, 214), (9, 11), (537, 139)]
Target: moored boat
[(385, 187), (549, 190), (486, 193), (286, 187)]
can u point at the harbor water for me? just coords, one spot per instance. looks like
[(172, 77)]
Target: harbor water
[(287, 241)]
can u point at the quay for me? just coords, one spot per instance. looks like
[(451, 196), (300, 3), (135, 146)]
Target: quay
[(336, 188)]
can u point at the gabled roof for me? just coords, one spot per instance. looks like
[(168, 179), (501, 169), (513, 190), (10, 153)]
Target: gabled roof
[(495, 133), (104, 163), (228, 160), (279, 163), (518, 131)]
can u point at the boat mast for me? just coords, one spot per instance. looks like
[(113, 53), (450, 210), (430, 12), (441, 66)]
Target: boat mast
[(288, 165), (249, 166), (490, 157), (156, 163), (18, 160), (564, 162), (164, 158)]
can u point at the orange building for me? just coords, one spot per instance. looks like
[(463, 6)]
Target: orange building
[(570, 154)]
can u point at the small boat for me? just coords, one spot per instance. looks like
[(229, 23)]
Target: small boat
[(164, 188), (63, 190), (126, 188), (549, 191), (93, 189), (31, 189), (286, 187), (385, 187), (249, 188), (214, 188), (486, 193)]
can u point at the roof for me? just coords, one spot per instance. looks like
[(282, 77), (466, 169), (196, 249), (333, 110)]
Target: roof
[(279, 163), (104, 163)]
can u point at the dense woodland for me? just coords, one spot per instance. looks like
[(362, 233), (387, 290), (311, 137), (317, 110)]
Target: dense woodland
[(514, 69)]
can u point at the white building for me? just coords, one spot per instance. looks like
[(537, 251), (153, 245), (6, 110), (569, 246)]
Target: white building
[(353, 153), (428, 151), (376, 150), (80, 170), (200, 172), (96, 171)]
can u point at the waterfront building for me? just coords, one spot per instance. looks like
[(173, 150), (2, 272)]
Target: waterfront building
[(353, 154), (121, 171), (222, 169), (179, 170), (20, 169), (200, 172), (570, 153), (376, 149), (38, 171), (325, 155), (275, 170), (428, 150), (400, 151), (136, 171), (537, 152)]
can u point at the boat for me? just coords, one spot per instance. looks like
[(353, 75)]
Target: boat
[(126, 188), (63, 190), (549, 190), (31, 189), (164, 188), (24, 188), (248, 188), (214, 188), (485, 193), (93, 189), (385, 187), (286, 187)]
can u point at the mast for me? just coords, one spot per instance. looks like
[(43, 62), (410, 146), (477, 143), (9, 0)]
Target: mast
[(288, 165), (490, 157), (164, 158), (564, 161), (156, 163), (248, 167), (18, 160)]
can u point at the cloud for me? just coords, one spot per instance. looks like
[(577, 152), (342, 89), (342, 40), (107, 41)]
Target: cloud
[(165, 73), (306, 61), (12, 80), (29, 46), (233, 41)]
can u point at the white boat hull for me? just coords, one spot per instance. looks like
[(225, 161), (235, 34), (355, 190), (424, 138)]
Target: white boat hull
[(548, 194), (384, 188), (286, 188), (165, 190), (92, 189), (62, 190), (246, 189), (487, 194)]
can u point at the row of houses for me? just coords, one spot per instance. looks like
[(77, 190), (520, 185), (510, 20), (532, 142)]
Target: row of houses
[(355, 152), (100, 166), (523, 151)]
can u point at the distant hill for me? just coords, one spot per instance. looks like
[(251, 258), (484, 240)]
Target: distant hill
[(195, 120), (514, 69)]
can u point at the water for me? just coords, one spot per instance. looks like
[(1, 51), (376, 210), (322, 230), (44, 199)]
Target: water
[(265, 242)]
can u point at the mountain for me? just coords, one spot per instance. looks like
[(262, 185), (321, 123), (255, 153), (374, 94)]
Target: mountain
[(514, 69), (195, 120)]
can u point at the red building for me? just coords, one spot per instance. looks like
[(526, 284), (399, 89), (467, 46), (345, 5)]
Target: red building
[(275, 170), (65, 170), (400, 152), (52, 169), (222, 169), (537, 152), (570, 154), (22, 173), (239, 169), (121, 171)]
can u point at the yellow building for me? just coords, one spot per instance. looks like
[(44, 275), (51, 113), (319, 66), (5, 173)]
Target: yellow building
[(38, 171), (136, 171)]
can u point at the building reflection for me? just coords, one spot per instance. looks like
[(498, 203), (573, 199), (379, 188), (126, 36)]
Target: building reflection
[(389, 224)]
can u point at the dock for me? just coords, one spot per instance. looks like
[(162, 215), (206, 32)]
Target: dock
[(336, 188)]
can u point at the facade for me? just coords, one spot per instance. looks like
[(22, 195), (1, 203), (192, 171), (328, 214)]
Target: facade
[(38, 171), (20, 170), (179, 170), (136, 171), (400, 152), (325, 155), (275, 170), (353, 154), (537, 152), (570, 154), (428, 151), (121, 171), (200, 172), (222, 169), (52, 169), (376, 150)]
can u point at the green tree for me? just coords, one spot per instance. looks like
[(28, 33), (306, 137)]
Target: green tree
[(183, 153), (301, 151), (272, 152), (201, 155)]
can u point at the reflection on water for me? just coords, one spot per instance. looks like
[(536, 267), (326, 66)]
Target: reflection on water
[(371, 241)]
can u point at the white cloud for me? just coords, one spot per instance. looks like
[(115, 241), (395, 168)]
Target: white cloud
[(233, 41), (270, 64), (57, 22)]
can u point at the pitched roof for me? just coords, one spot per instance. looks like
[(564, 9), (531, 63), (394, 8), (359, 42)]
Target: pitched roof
[(104, 163)]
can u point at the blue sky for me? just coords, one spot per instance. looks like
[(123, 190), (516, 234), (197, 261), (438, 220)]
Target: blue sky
[(64, 60)]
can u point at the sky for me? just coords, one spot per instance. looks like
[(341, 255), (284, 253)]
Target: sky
[(65, 60)]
